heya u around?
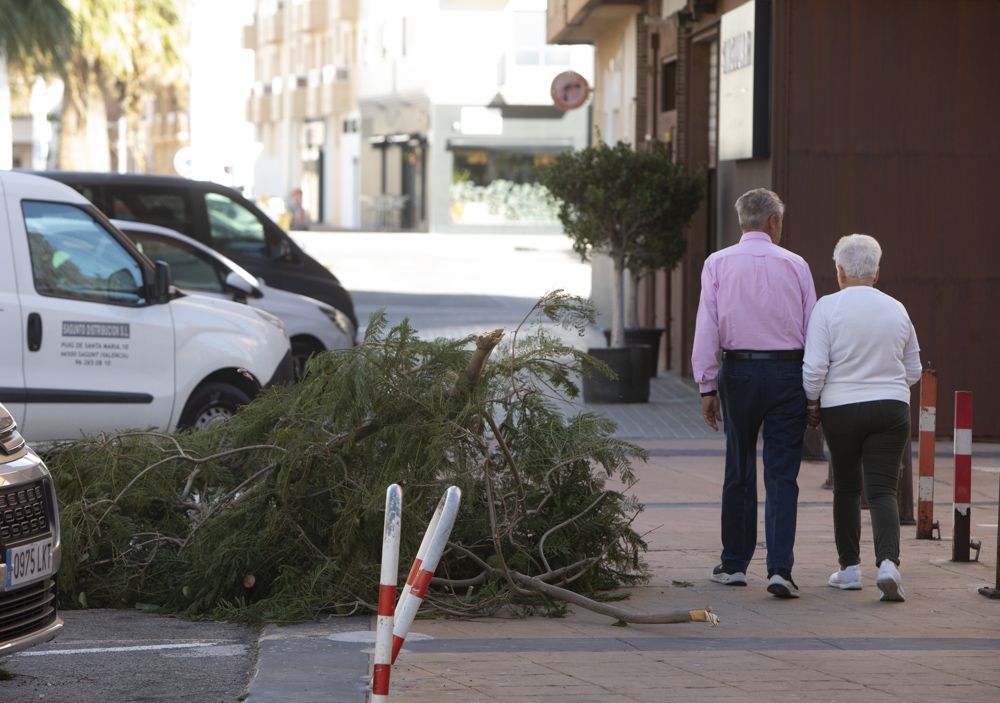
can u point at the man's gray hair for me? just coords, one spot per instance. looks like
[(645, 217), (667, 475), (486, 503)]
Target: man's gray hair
[(755, 206), (858, 255)]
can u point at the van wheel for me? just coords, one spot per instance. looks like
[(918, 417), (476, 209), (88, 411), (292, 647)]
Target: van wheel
[(302, 349), (211, 403)]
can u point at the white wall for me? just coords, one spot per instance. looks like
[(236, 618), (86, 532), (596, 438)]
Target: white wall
[(615, 118), (221, 76)]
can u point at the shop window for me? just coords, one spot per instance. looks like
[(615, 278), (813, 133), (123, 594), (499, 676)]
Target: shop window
[(500, 186)]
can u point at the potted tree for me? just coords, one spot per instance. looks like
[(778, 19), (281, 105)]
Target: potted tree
[(660, 248), (632, 206)]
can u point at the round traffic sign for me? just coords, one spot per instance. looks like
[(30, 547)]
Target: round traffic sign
[(569, 90)]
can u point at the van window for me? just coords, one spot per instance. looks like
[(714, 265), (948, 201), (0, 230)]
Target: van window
[(235, 230), (189, 268), (73, 256), (163, 207)]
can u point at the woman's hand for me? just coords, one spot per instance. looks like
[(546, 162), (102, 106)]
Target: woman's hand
[(812, 413)]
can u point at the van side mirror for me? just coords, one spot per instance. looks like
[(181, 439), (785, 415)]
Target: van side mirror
[(241, 286), (162, 280)]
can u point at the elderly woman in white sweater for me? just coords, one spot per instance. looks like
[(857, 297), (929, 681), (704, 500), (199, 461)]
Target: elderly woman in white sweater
[(861, 357)]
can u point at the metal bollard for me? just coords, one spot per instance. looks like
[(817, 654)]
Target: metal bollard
[(387, 593), (928, 425), (988, 591), (963, 476), (421, 553), (406, 610), (904, 487)]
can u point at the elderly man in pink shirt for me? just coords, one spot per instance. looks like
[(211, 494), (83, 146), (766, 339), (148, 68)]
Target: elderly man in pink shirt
[(756, 298)]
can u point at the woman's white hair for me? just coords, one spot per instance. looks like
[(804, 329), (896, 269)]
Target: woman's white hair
[(755, 206), (858, 255)]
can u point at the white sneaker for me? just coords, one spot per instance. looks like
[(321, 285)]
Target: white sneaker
[(890, 582), (726, 578), (781, 587), (848, 579)]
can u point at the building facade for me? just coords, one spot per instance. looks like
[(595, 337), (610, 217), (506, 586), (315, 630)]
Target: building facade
[(456, 114), (870, 117), (302, 105), (410, 114)]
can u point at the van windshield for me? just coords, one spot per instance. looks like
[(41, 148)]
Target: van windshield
[(236, 231)]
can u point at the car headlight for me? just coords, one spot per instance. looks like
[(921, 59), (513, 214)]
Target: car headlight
[(273, 319), (342, 321)]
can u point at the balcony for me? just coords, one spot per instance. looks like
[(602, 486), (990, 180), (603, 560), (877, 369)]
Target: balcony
[(250, 37), (314, 101), (259, 109), (344, 9), (298, 104), (310, 16), (335, 98), (272, 27), (317, 15), (273, 111), (581, 21)]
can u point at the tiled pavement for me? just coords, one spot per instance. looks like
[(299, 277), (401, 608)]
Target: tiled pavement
[(941, 645), (673, 412)]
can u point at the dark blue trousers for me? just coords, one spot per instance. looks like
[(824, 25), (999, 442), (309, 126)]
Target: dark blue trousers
[(755, 393)]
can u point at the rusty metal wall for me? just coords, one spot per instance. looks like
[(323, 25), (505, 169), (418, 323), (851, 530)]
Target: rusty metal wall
[(885, 122)]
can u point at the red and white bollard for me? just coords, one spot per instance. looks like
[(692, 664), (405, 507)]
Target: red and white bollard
[(963, 476), (421, 553), (928, 427), (424, 566), (387, 592)]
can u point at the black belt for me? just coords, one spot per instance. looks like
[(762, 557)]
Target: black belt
[(750, 355)]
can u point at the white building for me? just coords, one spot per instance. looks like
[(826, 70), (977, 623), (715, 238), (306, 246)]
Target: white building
[(410, 114), (302, 105), (456, 113)]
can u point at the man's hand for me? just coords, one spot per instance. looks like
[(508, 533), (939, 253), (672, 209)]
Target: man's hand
[(710, 411)]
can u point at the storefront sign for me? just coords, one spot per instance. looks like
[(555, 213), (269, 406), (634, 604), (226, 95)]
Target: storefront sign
[(744, 81)]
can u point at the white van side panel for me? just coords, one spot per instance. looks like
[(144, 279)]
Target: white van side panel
[(11, 326)]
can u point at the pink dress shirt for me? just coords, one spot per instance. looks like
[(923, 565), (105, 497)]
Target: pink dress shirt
[(754, 295)]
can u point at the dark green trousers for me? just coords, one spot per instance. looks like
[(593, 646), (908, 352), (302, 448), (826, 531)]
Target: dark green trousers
[(866, 442)]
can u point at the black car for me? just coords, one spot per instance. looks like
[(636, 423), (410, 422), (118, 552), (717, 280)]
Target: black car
[(220, 218)]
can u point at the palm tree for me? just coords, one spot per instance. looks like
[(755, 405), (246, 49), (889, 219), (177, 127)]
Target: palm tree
[(33, 37), (125, 49)]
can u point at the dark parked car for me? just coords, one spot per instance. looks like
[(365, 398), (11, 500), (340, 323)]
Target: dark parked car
[(220, 218)]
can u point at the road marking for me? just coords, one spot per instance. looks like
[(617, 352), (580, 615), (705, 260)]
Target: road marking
[(368, 637), (107, 650)]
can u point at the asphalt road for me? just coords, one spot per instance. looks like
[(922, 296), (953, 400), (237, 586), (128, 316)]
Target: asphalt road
[(450, 285), (125, 656)]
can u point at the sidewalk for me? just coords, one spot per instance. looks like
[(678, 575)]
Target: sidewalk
[(942, 644)]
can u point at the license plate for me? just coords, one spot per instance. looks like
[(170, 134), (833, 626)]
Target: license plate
[(29, 562)]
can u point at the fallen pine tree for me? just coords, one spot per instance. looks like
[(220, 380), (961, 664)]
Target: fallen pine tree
[(276, 514)]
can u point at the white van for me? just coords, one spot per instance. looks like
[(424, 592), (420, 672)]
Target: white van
[(96, 339)]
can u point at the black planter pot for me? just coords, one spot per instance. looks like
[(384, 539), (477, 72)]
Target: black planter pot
[(630, 364), (650, 336)]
